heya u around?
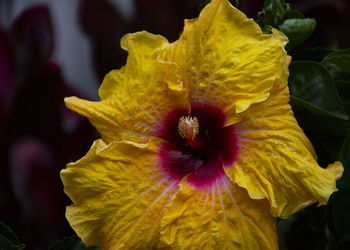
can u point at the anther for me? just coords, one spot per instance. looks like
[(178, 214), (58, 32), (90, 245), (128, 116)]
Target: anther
[(188, 127)]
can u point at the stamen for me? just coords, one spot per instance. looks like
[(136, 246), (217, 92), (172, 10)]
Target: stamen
[(188, 127)]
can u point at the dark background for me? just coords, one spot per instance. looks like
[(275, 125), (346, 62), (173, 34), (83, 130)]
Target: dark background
[(53, 49)]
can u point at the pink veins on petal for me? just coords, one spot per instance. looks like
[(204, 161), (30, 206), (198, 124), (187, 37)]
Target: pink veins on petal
[(203, 162)]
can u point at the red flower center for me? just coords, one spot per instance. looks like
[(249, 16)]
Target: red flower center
[(198, 144)]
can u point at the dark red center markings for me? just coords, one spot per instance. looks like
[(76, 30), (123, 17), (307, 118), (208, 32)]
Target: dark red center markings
[(203, 161)]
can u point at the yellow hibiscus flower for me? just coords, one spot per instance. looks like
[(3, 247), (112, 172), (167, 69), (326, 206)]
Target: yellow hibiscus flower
[(200, 148)]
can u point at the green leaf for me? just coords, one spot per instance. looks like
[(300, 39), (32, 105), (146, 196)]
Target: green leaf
[(8, 239), (297, 30), (285, 227), (292, 13), (336, 72), (304, 230), (341, 199), (312, 88), (340, 58), (5, 243), (237, 3), (321, 123), (343, 88), (333, 144), (203, 4), (274, 11), (6, 232), (316, 54), (344, 182), (266, 29), (341, 215), (326, 145), (71, 243)]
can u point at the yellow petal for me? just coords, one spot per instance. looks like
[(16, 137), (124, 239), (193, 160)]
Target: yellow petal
[(118, 195), (224, 58), (276, 160), (143, 69), (111, 123), (135, 98), (209, 219)]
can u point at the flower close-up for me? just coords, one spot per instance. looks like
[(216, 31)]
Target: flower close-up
[(200, 148)]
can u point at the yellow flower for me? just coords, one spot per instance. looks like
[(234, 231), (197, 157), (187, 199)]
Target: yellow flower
[(200, 148)]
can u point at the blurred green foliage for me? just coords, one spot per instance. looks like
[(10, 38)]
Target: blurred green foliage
[(71, 243), (8, 239), (340, 58), (312, 87), (280, 15), (319, 84)]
